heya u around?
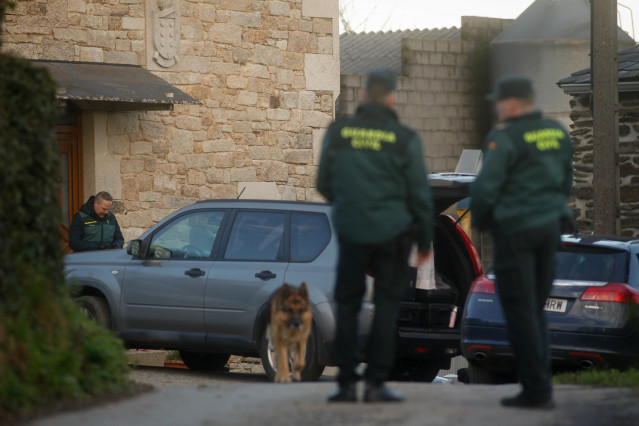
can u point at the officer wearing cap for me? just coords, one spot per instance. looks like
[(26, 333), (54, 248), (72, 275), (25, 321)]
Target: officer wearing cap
[(372, 171), (520, 196)]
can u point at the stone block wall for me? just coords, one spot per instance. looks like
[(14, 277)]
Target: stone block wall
[(440, 90), (266, 74), (437, 100), (582, 135), (434, 97), (482, 29)]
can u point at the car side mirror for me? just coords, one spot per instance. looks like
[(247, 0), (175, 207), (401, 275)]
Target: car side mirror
[(134, 248)]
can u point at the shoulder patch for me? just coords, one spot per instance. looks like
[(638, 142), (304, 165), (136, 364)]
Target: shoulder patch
[(491, 145)]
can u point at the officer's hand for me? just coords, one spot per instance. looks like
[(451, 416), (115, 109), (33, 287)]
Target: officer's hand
[(423, 257)]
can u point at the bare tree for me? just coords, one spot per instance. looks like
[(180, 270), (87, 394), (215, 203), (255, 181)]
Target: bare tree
[(346, 12)]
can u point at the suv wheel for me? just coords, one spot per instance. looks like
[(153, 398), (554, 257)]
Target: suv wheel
[(202, 361), (312, 370), (95, 308)]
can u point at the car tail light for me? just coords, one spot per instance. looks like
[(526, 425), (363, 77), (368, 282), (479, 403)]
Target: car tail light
[(470, 247), (587, 355), (612, 292), (483, 285)]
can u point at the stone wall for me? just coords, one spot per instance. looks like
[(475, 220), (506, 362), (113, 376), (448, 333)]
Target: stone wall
[(582, 135), (266, 74)]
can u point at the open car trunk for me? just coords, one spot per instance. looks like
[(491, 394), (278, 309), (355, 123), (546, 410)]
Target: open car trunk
[(456, 262)]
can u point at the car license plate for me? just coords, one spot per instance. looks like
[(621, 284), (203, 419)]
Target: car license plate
[(555, 305)]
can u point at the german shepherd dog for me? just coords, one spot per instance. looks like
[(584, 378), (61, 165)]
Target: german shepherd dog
[(288, 330)]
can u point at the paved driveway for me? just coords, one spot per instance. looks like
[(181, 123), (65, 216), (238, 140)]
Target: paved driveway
[(242, 402)]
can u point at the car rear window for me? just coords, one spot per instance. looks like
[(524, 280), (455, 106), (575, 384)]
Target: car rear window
[(310, 233), (573, 262)]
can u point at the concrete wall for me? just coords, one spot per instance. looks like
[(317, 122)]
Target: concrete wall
[(433, 97), (266, 74), (440, 91), (437, 100)]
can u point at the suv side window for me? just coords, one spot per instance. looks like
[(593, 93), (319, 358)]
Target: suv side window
[(190, 236), (256, 235), (310, 233)]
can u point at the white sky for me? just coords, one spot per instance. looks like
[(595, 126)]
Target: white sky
[(391, 15)]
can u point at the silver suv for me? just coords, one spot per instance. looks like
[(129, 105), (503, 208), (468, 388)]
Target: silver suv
[(199, 281)]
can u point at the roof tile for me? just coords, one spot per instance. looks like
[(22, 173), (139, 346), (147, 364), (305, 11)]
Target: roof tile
[(362, 52)]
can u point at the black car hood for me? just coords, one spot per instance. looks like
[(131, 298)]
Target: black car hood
[(449, 188)]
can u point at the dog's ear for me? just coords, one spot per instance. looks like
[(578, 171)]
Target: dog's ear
[(285, 291), (303, 291)]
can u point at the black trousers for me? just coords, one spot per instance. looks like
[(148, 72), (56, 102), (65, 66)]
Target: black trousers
[(388, 263), (524, 270)]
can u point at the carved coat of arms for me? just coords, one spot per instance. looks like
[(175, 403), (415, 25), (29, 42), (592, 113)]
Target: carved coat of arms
[(166, 34)]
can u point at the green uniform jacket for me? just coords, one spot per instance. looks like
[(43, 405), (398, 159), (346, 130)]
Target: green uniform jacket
[(88, 230), (372, 171), (526, 175)]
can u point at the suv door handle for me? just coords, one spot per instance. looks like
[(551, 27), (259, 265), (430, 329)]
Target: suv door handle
[(265, 275), (194, 273)]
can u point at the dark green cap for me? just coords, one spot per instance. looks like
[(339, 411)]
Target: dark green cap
[(515, 86), (383, 77)]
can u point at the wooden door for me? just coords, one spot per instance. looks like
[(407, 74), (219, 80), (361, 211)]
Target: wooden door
[(70, 189)]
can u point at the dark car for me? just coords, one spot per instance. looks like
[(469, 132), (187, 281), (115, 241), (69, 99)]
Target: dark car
[(592, 312), (200, 279)]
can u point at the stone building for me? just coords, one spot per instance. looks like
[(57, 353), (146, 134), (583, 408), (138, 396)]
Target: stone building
[(250, 87), (578, 86)]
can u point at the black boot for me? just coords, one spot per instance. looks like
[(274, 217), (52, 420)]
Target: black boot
[(345, 393), (521, 401), (380, 393)]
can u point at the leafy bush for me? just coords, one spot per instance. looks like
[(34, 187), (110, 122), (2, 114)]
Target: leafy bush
[(49, 350)]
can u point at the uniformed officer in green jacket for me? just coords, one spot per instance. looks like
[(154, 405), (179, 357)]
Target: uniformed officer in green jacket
[(520, 196), (94, 227), (372, 171)]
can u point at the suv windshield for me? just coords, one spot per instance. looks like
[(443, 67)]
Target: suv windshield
[(587, 263)]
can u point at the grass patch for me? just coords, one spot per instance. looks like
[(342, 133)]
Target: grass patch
[(173, 356), (600, 377)]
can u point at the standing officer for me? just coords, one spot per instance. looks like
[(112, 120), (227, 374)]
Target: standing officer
[(520, 195), (94, 227), (372, 171)]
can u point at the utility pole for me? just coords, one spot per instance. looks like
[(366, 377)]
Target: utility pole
[(605, 99)]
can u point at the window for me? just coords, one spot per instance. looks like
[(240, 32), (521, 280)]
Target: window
[(591, 264), (256, 236), (310, 233), (188, 237)]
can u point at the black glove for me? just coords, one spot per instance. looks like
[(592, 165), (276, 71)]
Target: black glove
[(104, 246)]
